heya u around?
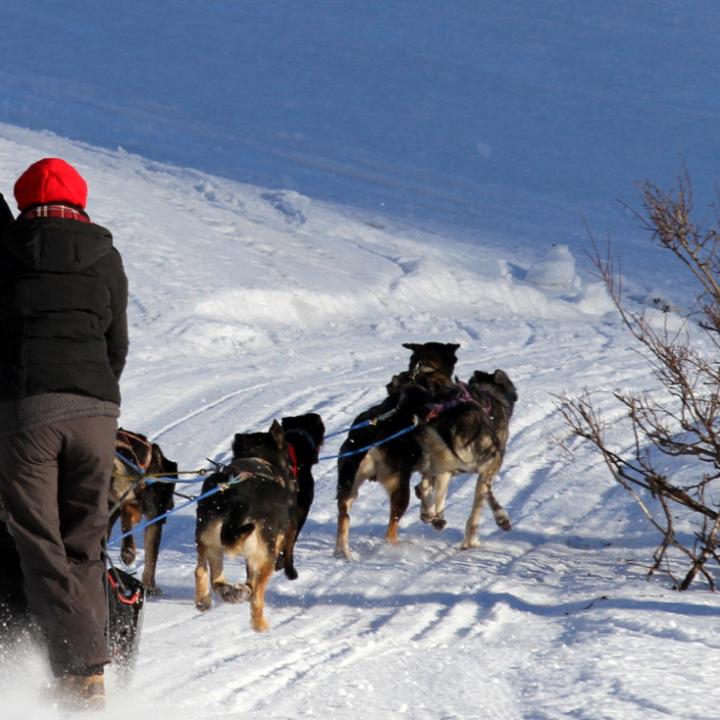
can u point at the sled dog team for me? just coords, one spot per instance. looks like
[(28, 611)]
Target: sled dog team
[(255, 506)]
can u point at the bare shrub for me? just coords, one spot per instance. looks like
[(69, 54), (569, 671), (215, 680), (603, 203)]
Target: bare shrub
[(684, 423)]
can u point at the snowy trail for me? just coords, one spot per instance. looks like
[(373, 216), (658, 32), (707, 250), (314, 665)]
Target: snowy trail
[(500, 624), (309, 313)]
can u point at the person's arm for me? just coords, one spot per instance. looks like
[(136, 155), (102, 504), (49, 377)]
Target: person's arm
[(116, 336)]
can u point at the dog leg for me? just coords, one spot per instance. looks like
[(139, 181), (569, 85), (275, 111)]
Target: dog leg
[(130, 515), (482, 488), (499, 513), (441, 482), (342, 542), (153, 535), (424, 492), (350, 478), (202, 582), (258, 577), (288, 552), (399, 501)]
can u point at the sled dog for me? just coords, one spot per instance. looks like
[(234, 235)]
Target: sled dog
[(467, 434), (131, 497), (392, 463), (304, 435), (254, 515)]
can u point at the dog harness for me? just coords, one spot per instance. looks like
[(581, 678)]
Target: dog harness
[(138, 447), (246, 468), (463, 397), (293, 460), (292, 453), (303, 433)]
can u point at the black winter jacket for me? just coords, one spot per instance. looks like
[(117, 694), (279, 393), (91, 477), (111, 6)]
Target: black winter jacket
[(63, 310)]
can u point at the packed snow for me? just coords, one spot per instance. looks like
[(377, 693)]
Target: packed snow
[(277, 263)]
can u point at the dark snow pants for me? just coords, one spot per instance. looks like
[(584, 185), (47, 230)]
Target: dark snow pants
[(54, 480)]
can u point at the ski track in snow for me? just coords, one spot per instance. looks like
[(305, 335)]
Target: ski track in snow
[(550, 620)]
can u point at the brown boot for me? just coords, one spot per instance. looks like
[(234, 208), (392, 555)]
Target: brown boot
[(81, 692)]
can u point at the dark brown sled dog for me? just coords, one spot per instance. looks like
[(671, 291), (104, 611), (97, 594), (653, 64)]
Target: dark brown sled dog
[(131, 498), (391, 464), (254, 515), (304, 435), (467, 435)]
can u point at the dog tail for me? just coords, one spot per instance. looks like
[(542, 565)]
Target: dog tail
[(232, 532)]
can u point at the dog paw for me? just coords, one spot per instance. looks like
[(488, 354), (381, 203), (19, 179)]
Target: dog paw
[(153, 590), (291, 573), (472, 543), (439, 523), (233, 593), (504, 523), (127, 556), (203, 604), (342, 553), (260, 625)]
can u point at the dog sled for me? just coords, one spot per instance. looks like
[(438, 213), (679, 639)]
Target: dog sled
[(126, 600)]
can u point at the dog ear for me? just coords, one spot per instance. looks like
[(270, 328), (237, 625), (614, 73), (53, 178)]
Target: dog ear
[(453, 346), (241, 445), (500, 377), (396, 383), (277, 432), (319, 429), (479, 377), (412, 346)]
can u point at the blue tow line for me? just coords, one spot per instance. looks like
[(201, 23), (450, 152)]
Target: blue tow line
[(364, 423), (141, 526), (408, 429), (235, 479)]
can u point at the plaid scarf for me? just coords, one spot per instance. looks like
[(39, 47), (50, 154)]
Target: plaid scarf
[(55, 211)]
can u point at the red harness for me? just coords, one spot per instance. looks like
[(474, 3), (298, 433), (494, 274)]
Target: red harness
[(293, 460)]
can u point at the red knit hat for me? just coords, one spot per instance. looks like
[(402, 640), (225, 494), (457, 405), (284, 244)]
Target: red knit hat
[(50, 180)]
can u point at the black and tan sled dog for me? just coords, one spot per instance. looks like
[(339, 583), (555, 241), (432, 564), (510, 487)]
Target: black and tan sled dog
[(391, 464), (131, 497), (466, 433), (254, 515)]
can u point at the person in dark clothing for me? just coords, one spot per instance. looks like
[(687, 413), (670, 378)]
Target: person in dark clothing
[(63, 344)]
